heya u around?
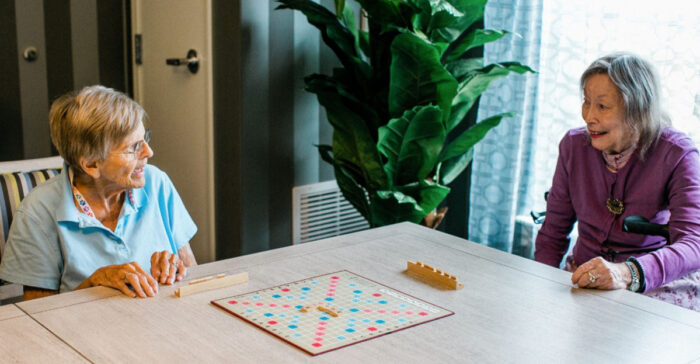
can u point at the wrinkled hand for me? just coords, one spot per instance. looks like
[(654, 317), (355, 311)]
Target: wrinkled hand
[(167, 268), (121, 275), (601, 274)]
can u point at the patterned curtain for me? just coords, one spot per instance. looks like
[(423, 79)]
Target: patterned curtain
[(514, 165), (504, 159)]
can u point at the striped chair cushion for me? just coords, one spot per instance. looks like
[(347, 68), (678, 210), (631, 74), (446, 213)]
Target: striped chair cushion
[(13, 188)]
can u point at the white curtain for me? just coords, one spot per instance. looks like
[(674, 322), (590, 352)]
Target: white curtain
[(504, 159)]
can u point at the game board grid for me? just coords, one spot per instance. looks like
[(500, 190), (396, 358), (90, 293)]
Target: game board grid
[(367, 310)]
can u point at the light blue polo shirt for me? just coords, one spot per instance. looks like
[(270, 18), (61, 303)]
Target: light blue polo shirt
[(54, 246)]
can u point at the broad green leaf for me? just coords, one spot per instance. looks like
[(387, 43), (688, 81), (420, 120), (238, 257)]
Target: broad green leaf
[(470, 40), (353, 191), (339, 7), (440, 46), (472, 136), (452, 158), (325, 151), (325, 21), (428, 194), (444, 13), (324, 84), (417, 77), (385, 13), (412, 144), (364, 42), (461, 67), (475, 83), (422, 13), (349, 21), (389, 207), (473, 10), (352, 140), (433, 14), (453, 167), (334, 34), (353, 144), (406, 203), (348, 183), (516, 67)]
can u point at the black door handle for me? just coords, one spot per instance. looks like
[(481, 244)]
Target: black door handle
[(191, 61)]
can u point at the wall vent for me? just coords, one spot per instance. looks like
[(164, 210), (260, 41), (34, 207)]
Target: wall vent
[(320, 211)]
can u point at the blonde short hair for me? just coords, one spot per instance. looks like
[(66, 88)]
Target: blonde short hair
[(88, 123)]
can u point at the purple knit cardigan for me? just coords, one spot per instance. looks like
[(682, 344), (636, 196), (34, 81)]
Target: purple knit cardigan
[(665, 188)]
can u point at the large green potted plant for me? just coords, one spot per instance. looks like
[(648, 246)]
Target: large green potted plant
[(403, 87)]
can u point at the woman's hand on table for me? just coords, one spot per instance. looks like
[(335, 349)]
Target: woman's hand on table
[(601, 274), (121, 276), (167, 268)]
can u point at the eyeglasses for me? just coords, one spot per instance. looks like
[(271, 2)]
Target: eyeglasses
[(136, 148)]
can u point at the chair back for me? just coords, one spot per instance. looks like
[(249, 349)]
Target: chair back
[(17, 178)]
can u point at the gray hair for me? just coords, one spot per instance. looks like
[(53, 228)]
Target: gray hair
[(90, 122), (637, 82)]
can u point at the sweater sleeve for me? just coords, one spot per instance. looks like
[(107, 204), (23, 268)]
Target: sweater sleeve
[(683, 255), (553, 238)]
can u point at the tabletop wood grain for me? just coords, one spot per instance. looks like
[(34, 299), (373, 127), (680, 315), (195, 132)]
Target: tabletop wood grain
[(23, 340), (510, 310)]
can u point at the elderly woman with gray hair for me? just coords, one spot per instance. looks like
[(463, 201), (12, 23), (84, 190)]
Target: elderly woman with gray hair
[(109, 219), (626, 161)]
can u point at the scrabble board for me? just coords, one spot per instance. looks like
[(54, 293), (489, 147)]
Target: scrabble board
[(331, 311)]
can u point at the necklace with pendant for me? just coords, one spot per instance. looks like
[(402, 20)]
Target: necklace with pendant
[(615, 163), (615, 206)]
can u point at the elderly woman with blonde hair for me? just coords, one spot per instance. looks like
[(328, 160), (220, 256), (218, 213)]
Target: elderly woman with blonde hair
[(109, 219), (626, 161)]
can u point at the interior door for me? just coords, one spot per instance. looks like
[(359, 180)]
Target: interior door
[(179, 102)]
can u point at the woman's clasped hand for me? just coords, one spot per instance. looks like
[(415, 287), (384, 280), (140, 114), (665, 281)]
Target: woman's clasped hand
[(133, 281), (601, 274), (167, 268), (129, 278)]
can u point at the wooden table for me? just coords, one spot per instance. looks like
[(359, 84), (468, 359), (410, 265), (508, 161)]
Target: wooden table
[(510, 310), (22, 339)]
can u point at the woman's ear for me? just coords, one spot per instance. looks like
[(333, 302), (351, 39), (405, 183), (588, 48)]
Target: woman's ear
[(90, 167)]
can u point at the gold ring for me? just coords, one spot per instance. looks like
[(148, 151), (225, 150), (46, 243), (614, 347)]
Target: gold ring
[(591, 277)]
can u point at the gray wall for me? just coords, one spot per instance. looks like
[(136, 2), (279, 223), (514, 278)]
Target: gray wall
[(266, 124), (10, 110), (77, 42)]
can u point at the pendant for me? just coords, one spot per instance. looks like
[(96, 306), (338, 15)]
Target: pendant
[(615, 206)]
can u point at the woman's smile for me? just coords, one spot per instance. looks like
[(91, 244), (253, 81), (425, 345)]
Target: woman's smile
[(596, 134), (138, 172)]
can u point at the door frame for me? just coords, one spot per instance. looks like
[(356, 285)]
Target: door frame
[(204, 56)]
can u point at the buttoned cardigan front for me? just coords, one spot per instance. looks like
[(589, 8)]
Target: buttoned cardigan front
[(664, 187)]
